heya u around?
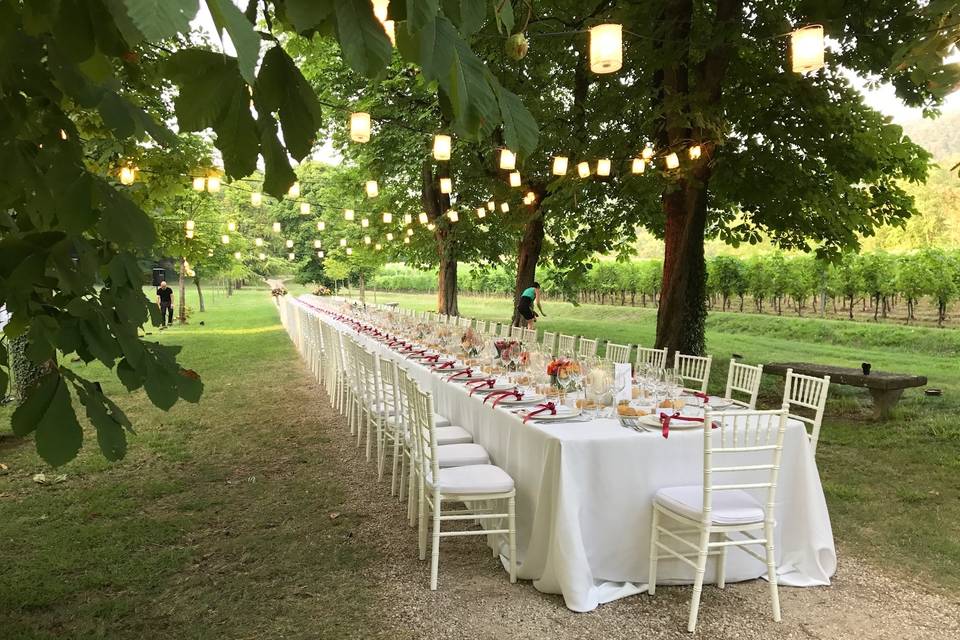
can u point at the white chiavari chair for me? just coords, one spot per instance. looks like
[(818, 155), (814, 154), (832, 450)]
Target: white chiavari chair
[(474, 484), (529, 337), (566, 345), (741, 461), (809, 393), (694, 370), (656, 358), (392, 420), (464, 323), (549, 344), (587, 349), (516, 333), (745, 379), (505, 330), (617, 352), (366, 372)]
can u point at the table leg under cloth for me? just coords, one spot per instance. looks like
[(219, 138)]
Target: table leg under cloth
[(585, 490)]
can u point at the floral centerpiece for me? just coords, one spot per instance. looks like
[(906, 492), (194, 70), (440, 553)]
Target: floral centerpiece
[(322, 291), (279, 291), (502, 344), (564, 374), (471, 343)]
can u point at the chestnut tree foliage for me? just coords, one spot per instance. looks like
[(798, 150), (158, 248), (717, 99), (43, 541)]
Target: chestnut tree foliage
[(70, 235)]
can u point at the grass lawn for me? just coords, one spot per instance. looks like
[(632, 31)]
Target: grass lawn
[(893, 487), (166, 544)]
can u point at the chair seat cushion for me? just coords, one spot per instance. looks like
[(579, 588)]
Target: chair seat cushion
[(453, 435), (729, 507), (461, 455), (474, 479), (440, 421)]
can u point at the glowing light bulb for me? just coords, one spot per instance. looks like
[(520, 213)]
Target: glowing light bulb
[(406, 241), (320, 254), (481, 212), (431, 226)]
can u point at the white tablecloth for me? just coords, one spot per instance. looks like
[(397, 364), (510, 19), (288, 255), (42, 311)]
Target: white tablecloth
[(584, 495)]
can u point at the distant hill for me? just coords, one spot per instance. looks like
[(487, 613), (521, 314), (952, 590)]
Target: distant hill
[(941, 137)]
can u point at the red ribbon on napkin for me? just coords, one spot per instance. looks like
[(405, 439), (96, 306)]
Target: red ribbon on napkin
[(702, 396), (466, 372), (498, 395), (476, 385), (432, 358), (666, 418), (543, 408), (444, 365), (416, 352)]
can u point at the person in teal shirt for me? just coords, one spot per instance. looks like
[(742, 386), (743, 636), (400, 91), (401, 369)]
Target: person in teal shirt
[(525, 304)]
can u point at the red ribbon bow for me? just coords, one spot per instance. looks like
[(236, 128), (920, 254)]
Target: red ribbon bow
[(416, 352), (476, 385), (466, 372), (702, 396), (444, 365), (546, 406), (501, 395), (432, 358), (497, 394), (666, 418)]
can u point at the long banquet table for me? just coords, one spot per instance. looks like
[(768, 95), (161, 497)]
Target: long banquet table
[(584, 494)]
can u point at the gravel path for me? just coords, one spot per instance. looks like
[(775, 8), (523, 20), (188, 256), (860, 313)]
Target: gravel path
[(476, 599)]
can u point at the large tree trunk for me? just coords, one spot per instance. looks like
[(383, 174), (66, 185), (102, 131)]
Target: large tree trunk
[(182, 306), (528, 254), (196, 281), (435, 204), (682, 315), (25, 372)]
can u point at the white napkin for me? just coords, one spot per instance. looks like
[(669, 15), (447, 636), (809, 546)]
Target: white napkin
[(622, 373)]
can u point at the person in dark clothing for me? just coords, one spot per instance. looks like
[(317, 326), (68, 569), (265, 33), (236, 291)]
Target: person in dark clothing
[(525, 304), (165, 302)]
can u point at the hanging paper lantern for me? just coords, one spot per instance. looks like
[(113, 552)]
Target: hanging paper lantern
[(387, 217), (317, 244), (647, 153), (256, 198), (319, 254), (424, 219), (638, 165), (291, 256), (305, 208), (199, 184), (389, 237), (372, 189), (294, 190), (505, 207), (560, 165), (603, 167), (406, 241), (289, 244), (431, 226), (531, 197), (276, 227), (190, 224), (583, 169), (409, 232), (366, 240), (515, 179), (806, 49), (348, 215), (364, 222), (360, 126), (237, 255), (213, 184), (453, 215), (231, 226), (508, 160), (258, 242), (491, 205), (606, 48), (446, 185), (127, 175), (343, 242), (441, 147), (481, 212), (378, 246), (672, 161), (321, 225), (262, 256), (694, 152), (189, 234), (225, 239), (407, 218)]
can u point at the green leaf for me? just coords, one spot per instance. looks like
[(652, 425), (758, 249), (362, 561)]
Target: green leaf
[(520, 131), (281, 86), (73, 32), (160, 384), (129, 377), (122, 221), (189, 385), (121, 18), (277, 175), (27, 416), (116, 115), (420, 13), (237, 137), (111, 435), (59, 435), (307, 14), (226, 16), (208, 83), (365, 45), (161, 19), (505, 17)]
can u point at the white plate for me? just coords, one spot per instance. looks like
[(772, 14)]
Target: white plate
[(527, 399), (496, 387), (545, 416), (446, 371), (651, 420)]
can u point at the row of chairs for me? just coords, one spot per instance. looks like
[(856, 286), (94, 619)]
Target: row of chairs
[(433, 463), (441, 464)]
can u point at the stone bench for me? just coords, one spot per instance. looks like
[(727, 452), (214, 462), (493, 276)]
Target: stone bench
[(886, 388)]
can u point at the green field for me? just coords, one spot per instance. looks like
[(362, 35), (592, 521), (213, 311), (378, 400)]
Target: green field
[(191, 536), (892, 486)]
